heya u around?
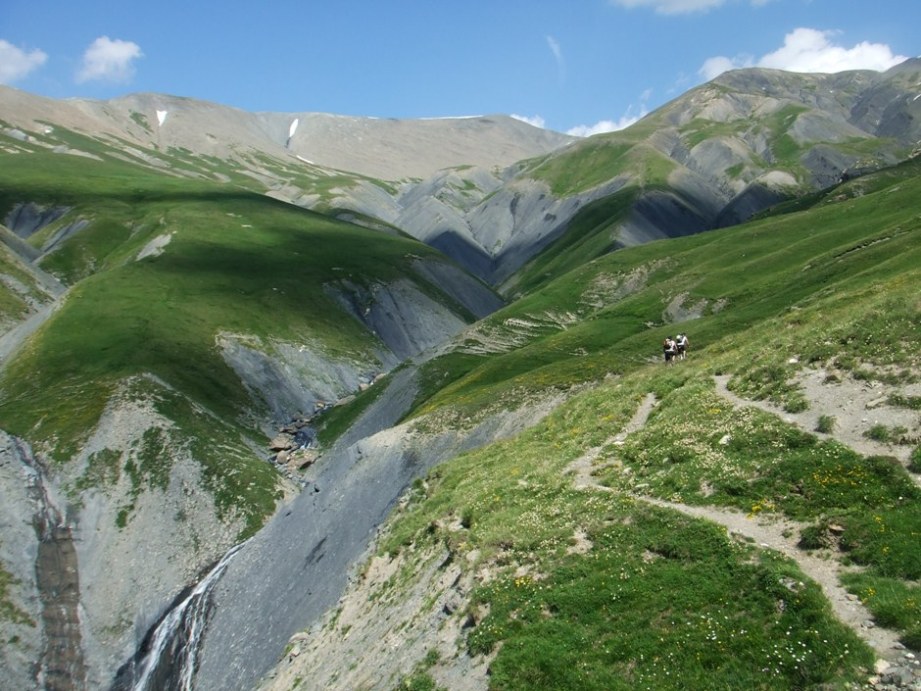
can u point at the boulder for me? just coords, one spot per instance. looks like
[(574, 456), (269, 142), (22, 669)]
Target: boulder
[(282, 442)]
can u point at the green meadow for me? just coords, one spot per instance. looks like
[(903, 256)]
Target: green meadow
[(233, 261), (657, 599)]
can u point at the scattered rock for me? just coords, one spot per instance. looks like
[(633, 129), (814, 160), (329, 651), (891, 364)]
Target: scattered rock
[(903, 674)]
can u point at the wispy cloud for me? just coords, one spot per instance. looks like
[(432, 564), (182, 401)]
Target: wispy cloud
[(810, 50), (109, 60), (16, 63), (558, 56), (715, 66), (679, 6)]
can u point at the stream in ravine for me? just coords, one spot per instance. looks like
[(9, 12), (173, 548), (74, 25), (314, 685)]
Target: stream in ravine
[(169, 655), (231, 628)]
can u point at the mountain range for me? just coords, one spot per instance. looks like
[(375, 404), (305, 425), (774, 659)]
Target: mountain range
[(297, 330)]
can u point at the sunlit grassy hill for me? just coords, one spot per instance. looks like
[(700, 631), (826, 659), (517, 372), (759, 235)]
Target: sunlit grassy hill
[(162, 271), (857, 240), (572, 547), (719, 153)]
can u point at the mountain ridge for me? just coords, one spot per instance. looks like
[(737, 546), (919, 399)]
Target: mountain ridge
[(385, 148), (727, 149)]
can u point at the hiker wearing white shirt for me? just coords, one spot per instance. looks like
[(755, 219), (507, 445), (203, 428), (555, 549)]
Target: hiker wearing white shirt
[(681, 345)]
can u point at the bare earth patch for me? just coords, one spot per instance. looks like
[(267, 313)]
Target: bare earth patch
[(854, 406)]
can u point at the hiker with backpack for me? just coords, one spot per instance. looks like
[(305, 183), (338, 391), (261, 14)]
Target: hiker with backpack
[(670, 349)]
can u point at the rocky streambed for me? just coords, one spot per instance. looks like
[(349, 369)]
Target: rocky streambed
[(297, 567)]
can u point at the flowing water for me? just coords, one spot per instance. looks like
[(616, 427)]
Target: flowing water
[(294, 569), (167, 661)]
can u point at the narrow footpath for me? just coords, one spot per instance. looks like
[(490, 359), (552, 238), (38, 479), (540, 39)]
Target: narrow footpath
[(769, 532)]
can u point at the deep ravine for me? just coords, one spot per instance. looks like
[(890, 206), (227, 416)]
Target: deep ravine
[(294, 569)]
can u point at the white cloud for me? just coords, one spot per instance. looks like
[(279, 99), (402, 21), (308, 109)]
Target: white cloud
[(810, 50), (109, 60), (598, 128), (15, 63), (633, 114), (714, 67), (671, 6), (535, 120)]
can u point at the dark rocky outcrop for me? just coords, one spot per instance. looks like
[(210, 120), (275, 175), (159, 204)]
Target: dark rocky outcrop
[(50, 594), (27, 218)]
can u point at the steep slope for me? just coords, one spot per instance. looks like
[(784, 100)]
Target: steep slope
[(725, 151), (604, 522), (710, 158)]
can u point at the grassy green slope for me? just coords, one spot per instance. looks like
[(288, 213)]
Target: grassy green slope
[(636, 155), (15, 302), (659, 600), (738, 278), (579, 168), (236, 262)]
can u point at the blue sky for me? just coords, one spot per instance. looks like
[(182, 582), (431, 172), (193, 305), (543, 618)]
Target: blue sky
[(580, 66)]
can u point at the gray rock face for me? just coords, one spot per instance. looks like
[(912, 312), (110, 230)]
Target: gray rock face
[(90, 577), (754, 198), (296, 378), (22, 632), (134, 562), (27, 218), (496, 229), (475, 297), (404, 318)]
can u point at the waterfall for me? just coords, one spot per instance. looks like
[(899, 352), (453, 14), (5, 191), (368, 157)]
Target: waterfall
[(168, 658)]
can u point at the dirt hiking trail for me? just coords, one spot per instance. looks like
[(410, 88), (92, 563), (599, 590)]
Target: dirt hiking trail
[(768, 531)]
